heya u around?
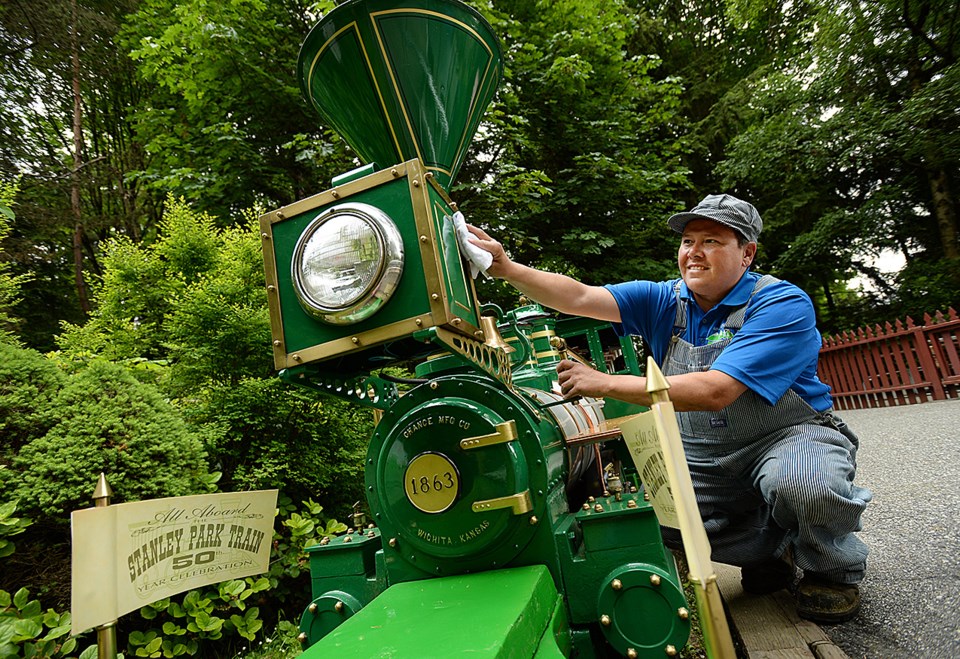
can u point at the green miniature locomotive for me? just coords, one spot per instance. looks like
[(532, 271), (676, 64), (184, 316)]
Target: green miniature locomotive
[(503, 522)]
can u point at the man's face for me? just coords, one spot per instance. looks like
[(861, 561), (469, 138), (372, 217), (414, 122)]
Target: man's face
[(711, 260)]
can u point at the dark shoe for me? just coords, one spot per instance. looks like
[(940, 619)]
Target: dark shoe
[(767, 577), (821, 600)]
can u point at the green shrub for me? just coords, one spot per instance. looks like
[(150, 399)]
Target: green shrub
[(927, 287), (219, 327), (275, 435), (193, 305), (281, 644), (28, 384), (10, 526), (26, 630), (107, 422)]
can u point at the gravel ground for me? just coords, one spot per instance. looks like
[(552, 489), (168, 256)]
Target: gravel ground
[(911, 595)]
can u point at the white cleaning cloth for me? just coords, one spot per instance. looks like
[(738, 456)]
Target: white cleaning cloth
[(480, 259)]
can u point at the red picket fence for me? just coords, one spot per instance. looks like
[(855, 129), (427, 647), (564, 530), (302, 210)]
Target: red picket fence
[(897, 364)]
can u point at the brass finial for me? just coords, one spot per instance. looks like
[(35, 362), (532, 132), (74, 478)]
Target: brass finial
[(656, 382), (102, 490)]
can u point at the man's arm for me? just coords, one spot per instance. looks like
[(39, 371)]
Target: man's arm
[(711, 390), (550, 289), (690, 392)]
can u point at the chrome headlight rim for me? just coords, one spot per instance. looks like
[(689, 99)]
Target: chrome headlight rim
[(381, 286)]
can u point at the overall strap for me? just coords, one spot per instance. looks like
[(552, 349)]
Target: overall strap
[(680, 321), (734, 320)]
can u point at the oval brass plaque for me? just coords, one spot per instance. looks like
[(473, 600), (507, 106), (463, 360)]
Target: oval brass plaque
[(431, 482)]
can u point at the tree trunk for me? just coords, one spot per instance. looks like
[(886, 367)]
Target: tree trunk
[(831, 310), (77, 156), (945, 211), (919, 75)]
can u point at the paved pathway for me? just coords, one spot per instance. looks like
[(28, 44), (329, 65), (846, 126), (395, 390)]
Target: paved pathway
[(910, 458)]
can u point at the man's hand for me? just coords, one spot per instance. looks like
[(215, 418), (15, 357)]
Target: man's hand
[(579, 380), (484, 241)]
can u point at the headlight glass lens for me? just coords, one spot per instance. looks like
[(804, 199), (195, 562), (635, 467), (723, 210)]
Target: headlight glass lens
[(340, 262), (347, 263)]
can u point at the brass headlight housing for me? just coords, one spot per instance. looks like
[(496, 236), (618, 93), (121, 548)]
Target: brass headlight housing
[(347, 263)]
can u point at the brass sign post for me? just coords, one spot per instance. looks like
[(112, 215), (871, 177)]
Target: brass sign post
[(696, 545), (106, 633)]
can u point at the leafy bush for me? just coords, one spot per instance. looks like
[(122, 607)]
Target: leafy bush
[(9, 526), (275, 435), (194, 301), (219, 328), (198, 616), (184, 319), (195, 298), (302, 529), (107, 422), (28, 384), (281, 644), (26, 630)]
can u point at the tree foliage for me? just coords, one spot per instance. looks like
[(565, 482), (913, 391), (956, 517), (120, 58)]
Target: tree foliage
[(852, 151), (579, 159), (61, 78), (224, 125), (714, 51), (26, 630), (193, 98), (10, 283)]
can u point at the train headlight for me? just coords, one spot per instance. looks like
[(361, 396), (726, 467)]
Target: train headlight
[(347, 263)]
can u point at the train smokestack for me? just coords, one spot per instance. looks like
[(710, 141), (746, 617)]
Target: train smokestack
[(403, 80)]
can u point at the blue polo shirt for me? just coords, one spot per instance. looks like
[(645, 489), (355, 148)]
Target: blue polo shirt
[(776, 349)]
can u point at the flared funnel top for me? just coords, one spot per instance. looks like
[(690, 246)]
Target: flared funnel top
[(402, 79)]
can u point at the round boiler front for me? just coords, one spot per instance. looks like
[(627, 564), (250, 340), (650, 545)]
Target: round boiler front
[(457, 476)]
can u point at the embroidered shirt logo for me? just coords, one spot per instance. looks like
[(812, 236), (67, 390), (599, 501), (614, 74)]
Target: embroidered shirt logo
[(722, 335), (718, 423)]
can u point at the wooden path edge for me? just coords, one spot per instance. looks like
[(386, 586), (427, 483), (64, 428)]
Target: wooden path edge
[(767, 626)]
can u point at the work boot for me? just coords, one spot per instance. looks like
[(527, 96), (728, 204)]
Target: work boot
[(823, 600), (767, 577)]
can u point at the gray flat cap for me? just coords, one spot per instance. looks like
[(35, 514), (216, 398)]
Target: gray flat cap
[(725, 209)]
